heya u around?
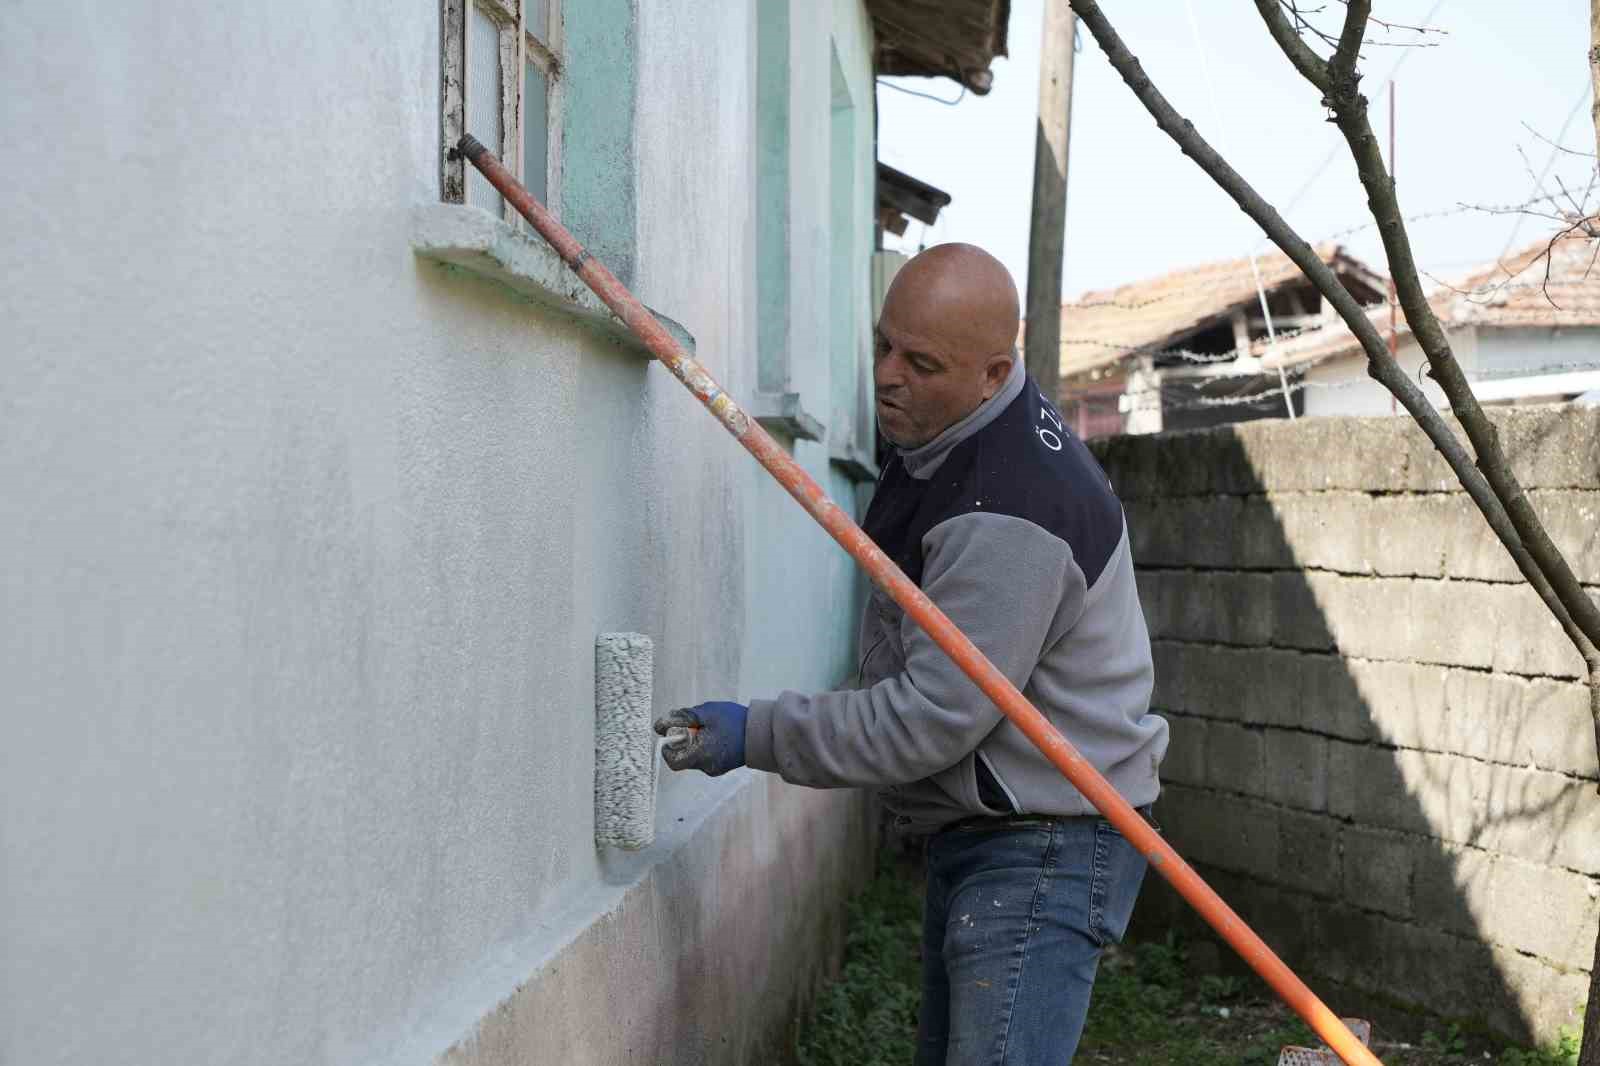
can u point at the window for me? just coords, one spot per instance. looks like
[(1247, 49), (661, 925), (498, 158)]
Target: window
[(501, 82)]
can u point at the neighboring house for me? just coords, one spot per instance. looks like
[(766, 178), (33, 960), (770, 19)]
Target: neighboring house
[(1525, 330), (321, 475), (1183, 350)]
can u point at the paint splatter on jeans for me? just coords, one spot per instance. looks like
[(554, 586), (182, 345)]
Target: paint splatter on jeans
[(1015, 921)]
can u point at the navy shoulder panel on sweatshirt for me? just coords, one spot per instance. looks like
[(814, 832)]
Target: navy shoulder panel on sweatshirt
[(1025, 463)]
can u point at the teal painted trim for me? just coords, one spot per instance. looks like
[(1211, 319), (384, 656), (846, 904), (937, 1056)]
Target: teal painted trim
[(845, 305), (772, 195), (599, 172), (783, 412)]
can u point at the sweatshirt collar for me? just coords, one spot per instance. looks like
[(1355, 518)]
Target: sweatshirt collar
[(921, 463)]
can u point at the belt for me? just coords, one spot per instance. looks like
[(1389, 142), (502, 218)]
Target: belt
[(995, 822)]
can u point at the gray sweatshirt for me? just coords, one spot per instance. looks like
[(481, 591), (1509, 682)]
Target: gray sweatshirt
[(1008, 524)]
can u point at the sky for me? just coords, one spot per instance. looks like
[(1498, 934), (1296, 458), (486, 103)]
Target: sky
[(1137, 207)]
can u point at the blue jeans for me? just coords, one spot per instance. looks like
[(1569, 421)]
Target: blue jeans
[(1016, 916)]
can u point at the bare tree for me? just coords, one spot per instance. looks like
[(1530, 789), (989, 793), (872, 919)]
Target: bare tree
[(1485, 472)]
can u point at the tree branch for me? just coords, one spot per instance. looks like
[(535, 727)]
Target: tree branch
[(1342, 65), (1311, 66), (1381, 365), (1350, 115)]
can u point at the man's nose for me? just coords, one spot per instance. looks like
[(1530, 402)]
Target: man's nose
[(888, 371)]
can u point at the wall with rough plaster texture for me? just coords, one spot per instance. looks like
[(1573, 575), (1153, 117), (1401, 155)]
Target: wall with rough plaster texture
[(307, 541), (1381, 752)]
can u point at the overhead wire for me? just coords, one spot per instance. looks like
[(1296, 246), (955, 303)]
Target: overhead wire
[(1255, 270), (962, 95)]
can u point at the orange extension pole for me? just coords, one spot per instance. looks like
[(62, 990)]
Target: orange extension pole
[(887, 576)]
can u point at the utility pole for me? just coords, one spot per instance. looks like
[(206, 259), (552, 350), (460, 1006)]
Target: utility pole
[(1047, 229), (1594, 66)]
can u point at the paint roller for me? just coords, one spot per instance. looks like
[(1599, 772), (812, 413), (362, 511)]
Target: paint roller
[(624, 744)]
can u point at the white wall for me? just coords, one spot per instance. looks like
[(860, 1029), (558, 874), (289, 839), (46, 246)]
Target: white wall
[(1343, 386), (1493, 356), (307, 540)]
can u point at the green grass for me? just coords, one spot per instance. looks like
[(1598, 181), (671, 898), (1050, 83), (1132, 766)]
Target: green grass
[(1149, 1007), (868, 1015)]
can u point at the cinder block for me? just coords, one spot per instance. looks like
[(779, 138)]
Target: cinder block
[(1207, 536), (1540, 724), (1296, 771), (1451, 975), (1426, 469), (1439, 972), (1255, 685), (1539, 998), (1410, 533), (1242, 612), (1188, 461), (1378, 867), (1330, 699), (1451, 622), (1260, 538), (1132, 463), (1570, 516), (1547, 817), (1552, 447), (1212, 680), (1530, 640), (1450, 885), (1220, 830), (1154, 598), (1168, 659), (1369, 785), (1269, 684), (1235, 758), (1329, 530), (1543, 911), (1573, 521), (1405, 702), (1535, 815), (1308, 853), (1375, 455), (1192, 605), (1355, 947), (1297, 615), (1370, 618), (1185, 761)]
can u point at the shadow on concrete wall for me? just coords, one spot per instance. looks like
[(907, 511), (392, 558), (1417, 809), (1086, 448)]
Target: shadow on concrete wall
[(1380, 755)]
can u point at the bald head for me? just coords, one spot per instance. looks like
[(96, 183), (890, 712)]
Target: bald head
[(945, 341)]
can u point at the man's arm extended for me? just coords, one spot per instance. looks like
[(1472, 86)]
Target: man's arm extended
[(1004, 581)]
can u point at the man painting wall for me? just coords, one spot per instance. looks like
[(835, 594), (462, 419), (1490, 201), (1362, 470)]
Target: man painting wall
[(997, 511)]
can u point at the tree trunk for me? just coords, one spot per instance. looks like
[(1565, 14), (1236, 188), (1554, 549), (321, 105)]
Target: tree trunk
[(1589, 1052)]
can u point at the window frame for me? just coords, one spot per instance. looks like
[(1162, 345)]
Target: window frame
[(519, 44)]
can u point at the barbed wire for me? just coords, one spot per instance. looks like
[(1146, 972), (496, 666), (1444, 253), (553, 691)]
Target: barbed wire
[(1422, 216), (1167, 396), (1192, 356)]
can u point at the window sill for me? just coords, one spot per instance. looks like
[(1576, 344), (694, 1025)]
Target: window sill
[(855, 464), (781, 412), (477, 242)]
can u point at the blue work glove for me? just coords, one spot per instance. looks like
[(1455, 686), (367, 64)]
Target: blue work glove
[(709, 737)]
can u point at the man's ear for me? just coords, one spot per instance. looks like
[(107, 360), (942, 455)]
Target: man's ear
[(995, 372)]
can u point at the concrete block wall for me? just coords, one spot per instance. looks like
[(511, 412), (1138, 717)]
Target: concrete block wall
[(1381, 752)]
